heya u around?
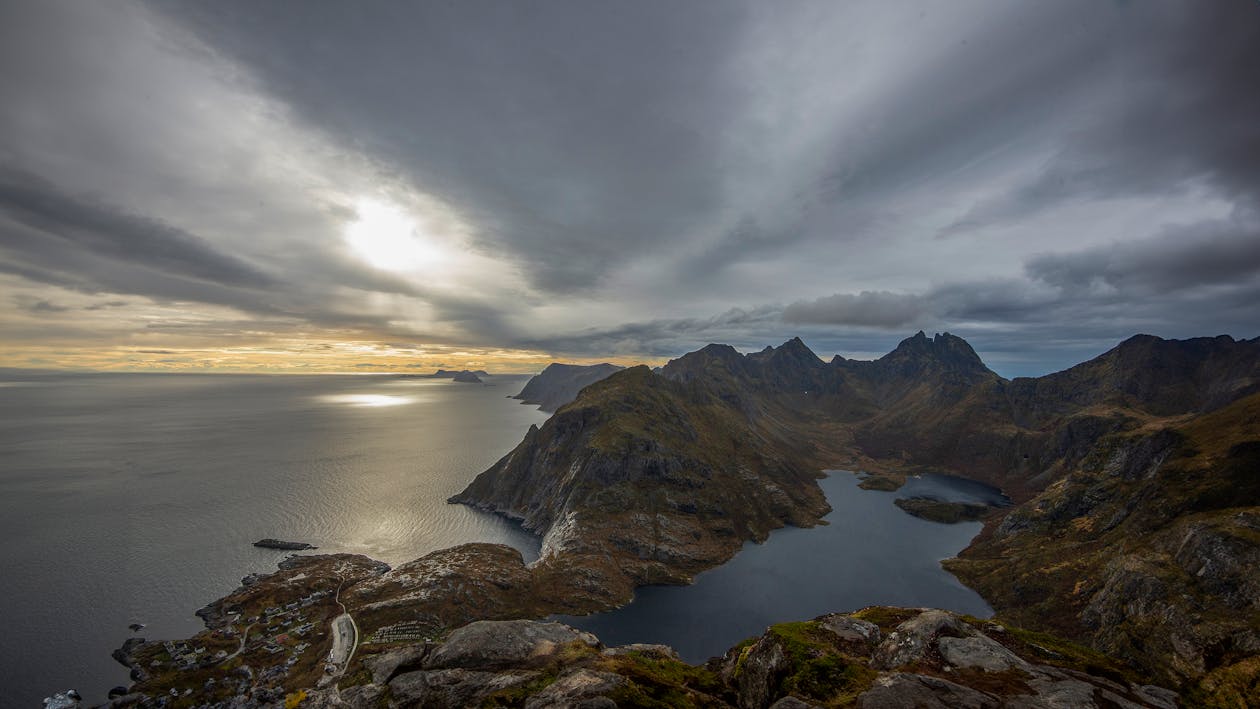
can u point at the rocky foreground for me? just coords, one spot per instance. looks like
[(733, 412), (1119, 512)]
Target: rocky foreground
[(877, 658)]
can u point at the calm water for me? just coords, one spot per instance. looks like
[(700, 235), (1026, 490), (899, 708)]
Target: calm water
[(135, 498), (870, 553)]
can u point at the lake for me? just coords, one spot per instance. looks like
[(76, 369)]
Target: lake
[(869, 553)]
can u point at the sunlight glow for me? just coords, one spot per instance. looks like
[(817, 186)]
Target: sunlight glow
[(388, 238), (367, 400)]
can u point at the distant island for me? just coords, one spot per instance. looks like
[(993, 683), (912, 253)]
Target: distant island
[(465, 376), (287, 546), (559, 384)]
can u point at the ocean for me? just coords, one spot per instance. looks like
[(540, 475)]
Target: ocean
[(135, 498)]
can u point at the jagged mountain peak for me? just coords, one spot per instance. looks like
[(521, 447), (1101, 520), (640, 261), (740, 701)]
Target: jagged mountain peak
[(794, 350), (943, 350), (694, 364)]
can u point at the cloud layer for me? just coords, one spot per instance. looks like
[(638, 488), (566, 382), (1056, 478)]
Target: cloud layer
[(581, 179)]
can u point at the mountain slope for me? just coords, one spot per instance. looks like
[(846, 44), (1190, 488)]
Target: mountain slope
[(1156, 541), (668, 479)]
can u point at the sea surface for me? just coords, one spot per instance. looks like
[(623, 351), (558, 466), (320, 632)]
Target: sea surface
[(135, 498), (869, 553)]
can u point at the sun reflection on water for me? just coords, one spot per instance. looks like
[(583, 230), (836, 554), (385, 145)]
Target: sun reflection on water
[(367, 400)]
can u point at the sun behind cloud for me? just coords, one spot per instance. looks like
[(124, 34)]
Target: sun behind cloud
[(386, 237)]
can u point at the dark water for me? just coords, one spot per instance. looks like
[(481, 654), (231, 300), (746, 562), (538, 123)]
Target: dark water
[(135, 498), (871, 553), (949, 488)]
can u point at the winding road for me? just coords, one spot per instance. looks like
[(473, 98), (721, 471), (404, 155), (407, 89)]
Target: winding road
[(244, 637), (345, 637)]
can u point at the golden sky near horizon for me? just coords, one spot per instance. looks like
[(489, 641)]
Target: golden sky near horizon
[(305, 356)]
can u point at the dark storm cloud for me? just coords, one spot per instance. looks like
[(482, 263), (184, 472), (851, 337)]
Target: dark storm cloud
[(68, 222), (1217, 254), (1180, 110), (575, 133), (662, 337), (107, 304), (37, 305), (877, 308)]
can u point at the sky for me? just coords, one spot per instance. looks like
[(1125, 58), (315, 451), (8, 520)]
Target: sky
[(380, 186)]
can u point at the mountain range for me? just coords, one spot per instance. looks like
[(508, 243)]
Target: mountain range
[(1134, 529)]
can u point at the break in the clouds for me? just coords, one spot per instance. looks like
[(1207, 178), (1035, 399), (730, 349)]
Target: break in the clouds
[(308, 183)]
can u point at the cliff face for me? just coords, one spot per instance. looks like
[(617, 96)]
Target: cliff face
[(559, 384)]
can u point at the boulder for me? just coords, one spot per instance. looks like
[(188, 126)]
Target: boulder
[(586, 689), (385, 665), (852, 631), (900, 690), (913, 638), (979, 652), (494, 644), (758, 672), (453, 688), (655, 652)]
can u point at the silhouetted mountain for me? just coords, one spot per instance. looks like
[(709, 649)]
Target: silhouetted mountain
[(559, 384)]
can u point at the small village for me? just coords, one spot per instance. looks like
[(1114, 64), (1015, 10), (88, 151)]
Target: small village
[(263, 648)]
